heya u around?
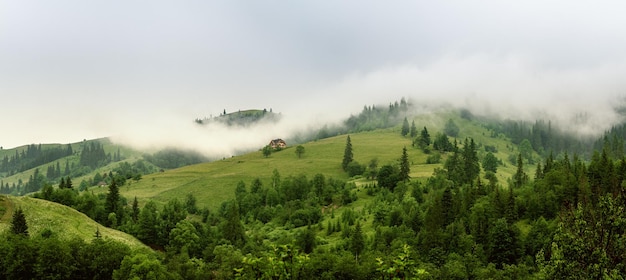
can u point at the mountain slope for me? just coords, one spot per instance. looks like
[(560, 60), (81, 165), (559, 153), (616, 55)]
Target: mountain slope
[(63, 221), (215, 182)]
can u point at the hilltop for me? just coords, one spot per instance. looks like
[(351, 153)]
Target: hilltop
[(242, 118)]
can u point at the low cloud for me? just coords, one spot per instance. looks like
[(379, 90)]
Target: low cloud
[(582, 100), (512, 87)]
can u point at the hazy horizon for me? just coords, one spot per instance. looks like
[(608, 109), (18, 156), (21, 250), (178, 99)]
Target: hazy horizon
[(141, 73)]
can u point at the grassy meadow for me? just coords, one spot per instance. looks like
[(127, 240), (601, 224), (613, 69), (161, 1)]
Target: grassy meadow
[(63, 221), (214, 182)]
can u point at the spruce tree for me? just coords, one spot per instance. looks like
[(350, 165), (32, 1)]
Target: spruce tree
[(348, 157), (231, 227), (135, 213), (357, 241), (520, 177), (424, 138), (68, 183), (405, 167), (112, 200), (413, 130), (18, 224), (405, 127)]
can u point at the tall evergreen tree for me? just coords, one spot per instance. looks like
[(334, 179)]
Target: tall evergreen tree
[(470, 161), (425, 137), (405, 167), (232, 228), (135, 213), (357, 241), (413, 129), (112, 199), (520, 177), (405, 127), (18, 223), (348, 157)]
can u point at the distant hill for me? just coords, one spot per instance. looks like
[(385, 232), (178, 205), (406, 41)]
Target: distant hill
[(242, 118)]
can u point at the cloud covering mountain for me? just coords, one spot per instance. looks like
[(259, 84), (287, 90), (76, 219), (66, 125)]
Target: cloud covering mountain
[(142, 72)]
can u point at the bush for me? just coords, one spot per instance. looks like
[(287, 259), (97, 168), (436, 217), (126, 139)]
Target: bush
[(434, 158), (354, 169)]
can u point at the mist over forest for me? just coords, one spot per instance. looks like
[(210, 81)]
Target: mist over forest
[(312, 140)]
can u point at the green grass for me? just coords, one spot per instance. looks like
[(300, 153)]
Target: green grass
[(63, 221), (214, 182)]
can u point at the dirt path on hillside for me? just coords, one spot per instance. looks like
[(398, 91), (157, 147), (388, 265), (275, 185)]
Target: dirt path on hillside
[(7, 204)]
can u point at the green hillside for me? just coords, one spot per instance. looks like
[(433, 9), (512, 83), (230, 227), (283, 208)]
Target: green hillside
[(63, 221), (214, 182), (451, 220)]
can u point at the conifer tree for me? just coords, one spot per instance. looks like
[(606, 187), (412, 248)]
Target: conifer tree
[(348, 157), (112, 200), (405, 127), (470, 161), (135, 213), (520, 177), (357, 241), (405, 167), (232, 228), (425, 137), (18, 224), (413, 129)]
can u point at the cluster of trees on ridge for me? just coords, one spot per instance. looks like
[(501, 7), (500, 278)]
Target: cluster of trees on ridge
[(91, 157)]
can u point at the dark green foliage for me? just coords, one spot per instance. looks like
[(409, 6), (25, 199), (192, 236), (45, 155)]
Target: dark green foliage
[(503, 243), (388, 177), (413, 132), (435, 158), (372, 169), (299, 151), (354, 168), (190, 204), (174, 158), (348, 157), (424, 140), (48, 257), (93, 155), (112, 204), (18, 223), (141, 266), (520, 177), (442, 143), (148, 224), (404, 131), (405, 167), (490, 162), (306, 240), (357, 241), (32, 156), (232, 229), (590, 241), (471, 167), (267, 151)]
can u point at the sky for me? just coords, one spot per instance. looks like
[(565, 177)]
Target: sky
[(142, 71)]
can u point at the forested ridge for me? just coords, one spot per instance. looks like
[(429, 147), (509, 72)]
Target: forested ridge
[(560, 215)]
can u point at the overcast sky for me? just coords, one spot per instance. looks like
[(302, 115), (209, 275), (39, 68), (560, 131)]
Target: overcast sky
[(71, 70)]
